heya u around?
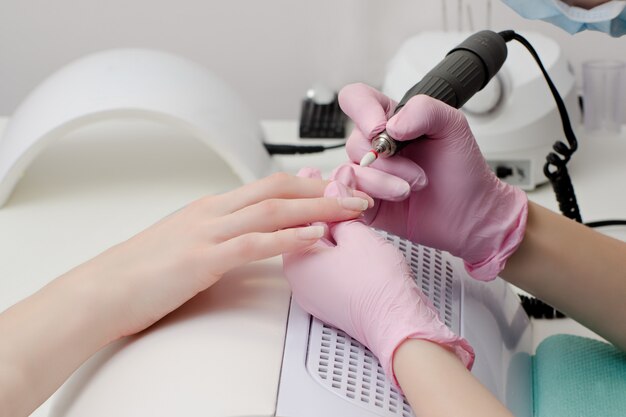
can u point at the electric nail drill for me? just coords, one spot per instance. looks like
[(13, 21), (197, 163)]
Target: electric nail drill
[(464, 71)]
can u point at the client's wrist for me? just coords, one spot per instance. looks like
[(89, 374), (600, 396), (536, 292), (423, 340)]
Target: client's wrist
[(98, 300)]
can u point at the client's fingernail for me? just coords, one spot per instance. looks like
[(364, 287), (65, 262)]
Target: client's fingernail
[(353, 203), (370, 200), (310, 232)]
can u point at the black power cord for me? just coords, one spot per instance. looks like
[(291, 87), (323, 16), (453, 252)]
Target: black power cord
[(604, 223), (555, 170)]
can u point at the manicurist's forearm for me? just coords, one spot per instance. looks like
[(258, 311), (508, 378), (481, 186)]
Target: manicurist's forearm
[(437, 384), (575, 269), (45, 337)]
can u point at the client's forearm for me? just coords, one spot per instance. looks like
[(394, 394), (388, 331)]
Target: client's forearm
[(437, 384), (45, 337), (575, 269)]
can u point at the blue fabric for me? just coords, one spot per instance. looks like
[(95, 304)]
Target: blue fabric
[(549, 11), (578, 377)]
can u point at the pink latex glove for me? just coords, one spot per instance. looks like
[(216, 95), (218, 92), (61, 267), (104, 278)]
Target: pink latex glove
[(360, 283), (438, 191)]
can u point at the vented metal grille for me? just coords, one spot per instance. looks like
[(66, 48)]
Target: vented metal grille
[(432, 274), (349, 369)]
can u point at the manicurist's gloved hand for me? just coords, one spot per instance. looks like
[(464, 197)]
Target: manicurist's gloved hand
[(438, 191), (356, 281)]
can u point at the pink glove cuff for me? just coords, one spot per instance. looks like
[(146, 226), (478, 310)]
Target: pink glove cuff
[(458, 345), (506, 243), (405, 327)]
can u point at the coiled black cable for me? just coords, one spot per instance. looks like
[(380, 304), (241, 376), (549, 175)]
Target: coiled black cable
[(555, 168)]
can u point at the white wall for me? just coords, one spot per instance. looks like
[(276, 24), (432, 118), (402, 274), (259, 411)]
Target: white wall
[(271, 51)]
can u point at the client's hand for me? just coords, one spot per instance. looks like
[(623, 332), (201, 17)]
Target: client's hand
[(356, 281), (133, 284), (438, 191), (162, 267)]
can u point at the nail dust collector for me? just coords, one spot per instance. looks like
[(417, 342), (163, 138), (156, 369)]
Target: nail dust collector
[(327, 373)]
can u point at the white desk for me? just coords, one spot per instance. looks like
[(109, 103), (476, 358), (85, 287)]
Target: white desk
[(100, 185)]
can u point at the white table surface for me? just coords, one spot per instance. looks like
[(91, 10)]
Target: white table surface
[(104, 183)]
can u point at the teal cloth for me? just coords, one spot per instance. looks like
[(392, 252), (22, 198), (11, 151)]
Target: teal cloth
[(575, 376)]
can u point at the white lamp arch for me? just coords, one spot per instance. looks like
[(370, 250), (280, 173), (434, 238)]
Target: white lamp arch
[(140, 83)]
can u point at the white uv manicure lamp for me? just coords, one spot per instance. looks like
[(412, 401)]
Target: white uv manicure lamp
[(135, 83)]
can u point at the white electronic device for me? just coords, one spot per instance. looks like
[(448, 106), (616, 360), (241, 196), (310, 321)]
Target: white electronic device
[(514, 118)]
